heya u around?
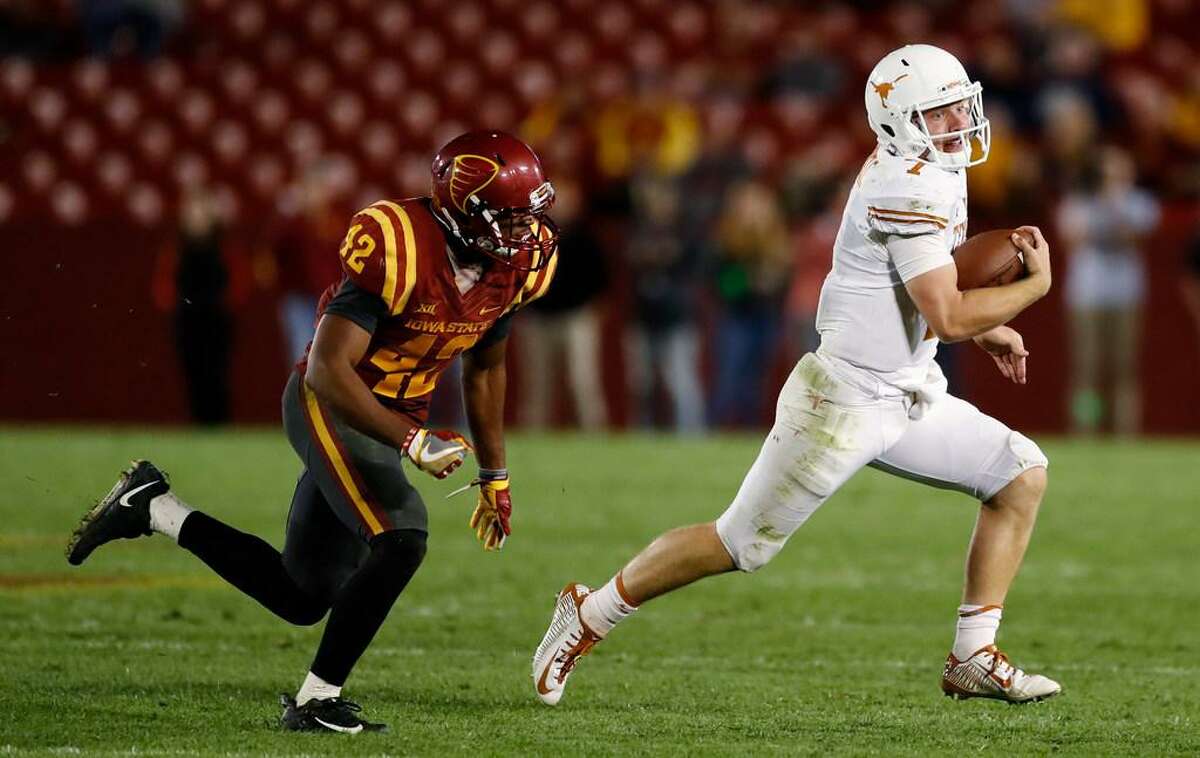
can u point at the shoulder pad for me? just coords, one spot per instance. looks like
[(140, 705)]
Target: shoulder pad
[(379, 253), (907, 197)]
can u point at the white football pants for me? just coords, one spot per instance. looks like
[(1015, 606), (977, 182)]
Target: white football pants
[(826, 429)]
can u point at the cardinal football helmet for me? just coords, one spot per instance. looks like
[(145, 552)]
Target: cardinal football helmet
[(912, 80), (491, 194)]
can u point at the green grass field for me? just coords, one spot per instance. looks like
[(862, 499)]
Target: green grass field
[(834, 648)]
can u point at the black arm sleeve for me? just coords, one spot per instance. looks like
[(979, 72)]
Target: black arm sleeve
[(357, 304), (498, 332)]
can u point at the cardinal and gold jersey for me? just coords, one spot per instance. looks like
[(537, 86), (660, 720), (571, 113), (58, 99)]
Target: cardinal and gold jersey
[(399, 284), (866, 318)]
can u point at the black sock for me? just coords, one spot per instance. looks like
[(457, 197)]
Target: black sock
[(365, 600), (251, 565)]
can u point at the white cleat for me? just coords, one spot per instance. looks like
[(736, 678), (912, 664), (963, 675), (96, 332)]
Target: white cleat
[(566, 641), (988, 673)]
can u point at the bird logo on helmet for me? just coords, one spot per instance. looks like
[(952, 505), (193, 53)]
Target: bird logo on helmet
[(491, 194)]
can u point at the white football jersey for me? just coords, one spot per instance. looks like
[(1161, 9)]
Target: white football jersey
[(866, 318)]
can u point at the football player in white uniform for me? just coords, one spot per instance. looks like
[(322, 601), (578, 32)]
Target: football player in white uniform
[(872, 395)]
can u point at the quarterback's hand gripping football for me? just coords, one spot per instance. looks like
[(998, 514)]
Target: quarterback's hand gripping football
[(492, 514), (436, 452)]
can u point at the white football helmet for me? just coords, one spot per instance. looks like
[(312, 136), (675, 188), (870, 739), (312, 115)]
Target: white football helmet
[(912, 80)]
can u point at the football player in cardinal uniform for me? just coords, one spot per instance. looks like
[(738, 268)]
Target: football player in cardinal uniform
[(425, 280)]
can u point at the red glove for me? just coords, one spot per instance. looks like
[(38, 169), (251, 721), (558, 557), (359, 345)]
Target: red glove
[(491, 517)]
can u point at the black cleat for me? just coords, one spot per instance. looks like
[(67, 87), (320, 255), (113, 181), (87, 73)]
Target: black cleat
[(123, 513), (325, 715)]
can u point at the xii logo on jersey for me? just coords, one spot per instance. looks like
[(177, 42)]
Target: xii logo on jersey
[(428, 309), (470, 174)]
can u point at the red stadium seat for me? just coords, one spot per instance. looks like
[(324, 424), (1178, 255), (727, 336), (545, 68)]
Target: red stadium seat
[(229, 141), (353, 51), (145, 204), (280, 51), (386, 81), (190, 170), (499, 54), (48, 108), (419, 112), (614, 23), (267, 175), (304, 141), (379, 142), (573, 52), (467, 22), (80, 140), (248, 19), (155, 142), (69, 202), (270, 111), (394, 21), (239, 80), (345, 113), (540, 22), (115, 172), (91, 79), (535, 81), (426, 52), (314, 80), (322, 21), (197, 111), (40, 170), (18, 78), (688, 25)]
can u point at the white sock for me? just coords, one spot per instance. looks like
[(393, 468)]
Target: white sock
[(602, 609), (167, 514), (316, 688), (977, 625)]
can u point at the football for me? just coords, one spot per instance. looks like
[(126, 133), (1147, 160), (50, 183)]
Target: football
[(989, 259)]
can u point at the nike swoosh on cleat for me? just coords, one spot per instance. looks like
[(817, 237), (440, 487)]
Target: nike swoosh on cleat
[(125, 498), (541, 682), (336, 728)]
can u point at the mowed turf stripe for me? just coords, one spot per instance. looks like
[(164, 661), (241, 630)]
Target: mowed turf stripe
[(37, 582)]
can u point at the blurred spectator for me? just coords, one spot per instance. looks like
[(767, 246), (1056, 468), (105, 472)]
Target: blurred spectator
[(1004, 80), (118, 28), (1102, 228), (304, 254), (812, 246), (563, 326), (1121, 25), (652, 128), (751, 273), (1069, 136), (662, 339), (806, 66), (1073, 62), (718, 165), (201, 282)]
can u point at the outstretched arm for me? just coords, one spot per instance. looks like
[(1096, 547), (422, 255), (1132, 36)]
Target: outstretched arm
[(484, 382)]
